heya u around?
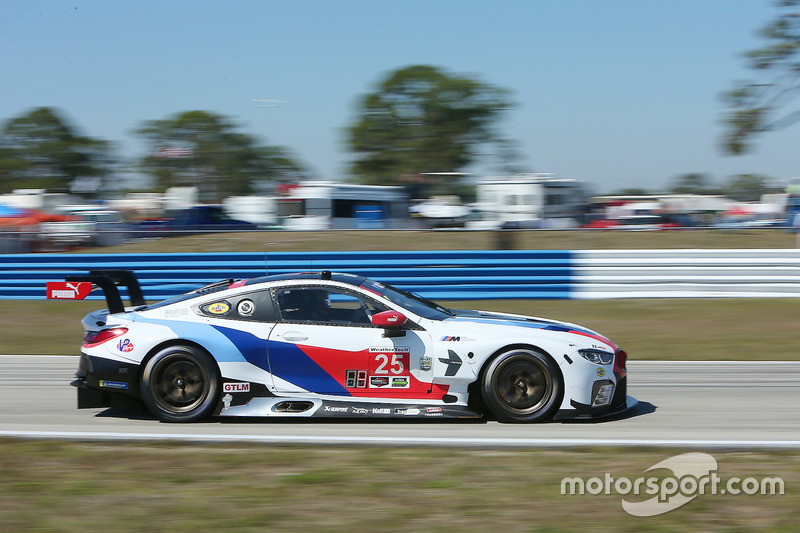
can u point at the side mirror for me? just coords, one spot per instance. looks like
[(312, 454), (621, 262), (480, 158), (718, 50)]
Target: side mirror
[(390, 321)]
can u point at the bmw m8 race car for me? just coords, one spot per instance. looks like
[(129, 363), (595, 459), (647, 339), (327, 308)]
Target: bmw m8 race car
[(329, 344)]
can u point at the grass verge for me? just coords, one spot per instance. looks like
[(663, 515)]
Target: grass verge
[(63, 486), (315, 241)]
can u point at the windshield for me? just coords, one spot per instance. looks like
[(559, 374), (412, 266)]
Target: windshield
[(408, 300)]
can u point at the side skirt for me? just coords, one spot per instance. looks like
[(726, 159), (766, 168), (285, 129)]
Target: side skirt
[(318, 408)]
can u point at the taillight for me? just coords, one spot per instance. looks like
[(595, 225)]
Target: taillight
[(93, 338)]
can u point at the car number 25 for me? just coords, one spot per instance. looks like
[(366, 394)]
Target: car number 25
[(390, 363)]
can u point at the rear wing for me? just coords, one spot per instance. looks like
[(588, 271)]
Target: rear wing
[(79, 287)]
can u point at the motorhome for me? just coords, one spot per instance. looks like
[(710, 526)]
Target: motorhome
[(317, 205), (527, 201), (259, 210)]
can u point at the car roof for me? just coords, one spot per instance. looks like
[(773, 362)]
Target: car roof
[(351, 279)]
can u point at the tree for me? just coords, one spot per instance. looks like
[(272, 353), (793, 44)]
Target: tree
[(422, 120), (759, 106), (748, 187), (40, 150), (204, 149), (632, 191), (693, 183)]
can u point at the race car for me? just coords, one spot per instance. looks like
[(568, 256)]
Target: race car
[(327, 344)]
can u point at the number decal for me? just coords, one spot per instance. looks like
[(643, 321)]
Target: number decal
[(381, 367), (397, 364)]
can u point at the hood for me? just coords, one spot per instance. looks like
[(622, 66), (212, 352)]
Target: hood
[(465, 318)]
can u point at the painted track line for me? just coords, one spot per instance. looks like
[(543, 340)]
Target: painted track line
[(408, 441)]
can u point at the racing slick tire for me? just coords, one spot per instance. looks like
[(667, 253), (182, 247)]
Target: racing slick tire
[(180, 384), (521, 385)]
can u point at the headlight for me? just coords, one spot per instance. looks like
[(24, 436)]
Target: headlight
[(597, 357)]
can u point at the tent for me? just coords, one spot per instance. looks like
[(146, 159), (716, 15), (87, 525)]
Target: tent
[(8, 211), (12, 216)]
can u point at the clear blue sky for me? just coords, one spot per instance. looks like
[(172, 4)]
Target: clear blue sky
[(621, 93)]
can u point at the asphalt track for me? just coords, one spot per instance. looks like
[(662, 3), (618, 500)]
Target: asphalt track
[(720, 405)]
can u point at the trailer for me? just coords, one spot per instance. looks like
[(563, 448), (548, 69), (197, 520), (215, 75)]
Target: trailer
[(526, 201), (318, 205)]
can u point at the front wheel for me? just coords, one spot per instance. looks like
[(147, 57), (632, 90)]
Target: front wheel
[(180, 384), (521, 385)]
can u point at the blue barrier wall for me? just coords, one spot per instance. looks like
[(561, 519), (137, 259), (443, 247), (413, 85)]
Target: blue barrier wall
[(443, 275), (447, 275)]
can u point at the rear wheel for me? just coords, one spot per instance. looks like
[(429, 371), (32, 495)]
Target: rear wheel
[(180, 384), (521, 385)]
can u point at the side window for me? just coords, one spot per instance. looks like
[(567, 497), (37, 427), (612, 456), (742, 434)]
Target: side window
[(325, 305), (351, 308)]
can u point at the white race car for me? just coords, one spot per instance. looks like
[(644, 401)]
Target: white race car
[(329, 344)]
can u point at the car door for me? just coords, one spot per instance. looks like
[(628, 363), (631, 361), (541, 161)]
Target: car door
[(325, 344)]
